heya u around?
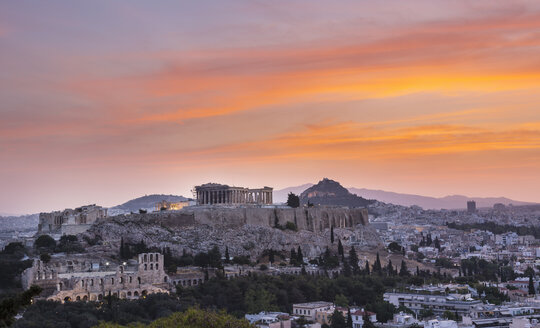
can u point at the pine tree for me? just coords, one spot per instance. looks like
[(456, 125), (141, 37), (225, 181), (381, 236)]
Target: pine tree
[(122, 251), (349, 318), (390, 268), (429, 241), (377, 267), (293, 258), (332, 234), (403, 271), (437, 243), (271, 256), (340, 247), (346, 268), (337, 320), (353, 259), (532, 290), (227, 257), (367, 321), (417, 271), (367, 268), (300, 256)]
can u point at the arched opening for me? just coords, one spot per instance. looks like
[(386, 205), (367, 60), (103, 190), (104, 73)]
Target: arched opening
[(145, 267), (112, 281), (136, 294), (145, 258), (85, 298), (151, 257), (157, 257), (139, 280), (78, 298), (67, 299), (157, 266), (130, 280), (100, 297), (93, 297), (129, 294), (144, 293), (151, 266), (165, 279), (122, 295)]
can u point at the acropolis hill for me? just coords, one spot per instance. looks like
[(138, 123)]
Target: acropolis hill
[(244, 230)]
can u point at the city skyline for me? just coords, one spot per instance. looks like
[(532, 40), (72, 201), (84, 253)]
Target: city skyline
[(104, 102)]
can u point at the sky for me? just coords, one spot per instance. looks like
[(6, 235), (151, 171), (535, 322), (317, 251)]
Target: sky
[(105, 101)]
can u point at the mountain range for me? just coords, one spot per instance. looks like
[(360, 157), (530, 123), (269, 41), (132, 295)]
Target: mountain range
[(426, 202)]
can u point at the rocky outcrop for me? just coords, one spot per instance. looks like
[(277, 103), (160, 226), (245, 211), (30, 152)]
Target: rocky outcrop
[(330, 192), (245, 230)]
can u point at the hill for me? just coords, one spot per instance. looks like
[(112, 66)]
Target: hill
[(145, 202), (426, 202), (330, 192)]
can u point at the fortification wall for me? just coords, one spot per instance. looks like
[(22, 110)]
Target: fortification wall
[(315, 219)]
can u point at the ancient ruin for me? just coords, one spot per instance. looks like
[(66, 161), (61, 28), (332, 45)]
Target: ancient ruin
[(70, 221), (214, 193), (93, 279)]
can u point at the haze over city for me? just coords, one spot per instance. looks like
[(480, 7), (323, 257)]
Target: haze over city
[(101, 101)]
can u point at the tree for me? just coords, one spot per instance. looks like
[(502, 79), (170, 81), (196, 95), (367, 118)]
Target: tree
[(258, 300), (366, 270), (353, 259), (403, 271), (45, 241), (437, 243), (332, 234), (45, 257), (293, 258), (377, 267), (9, 307), (227, 257), (300, 256), (337, 320), (293, 200), (390, 268), (349, 318), (347, 268), (271, 258), (532, 290), (341, 300), (340, 247), (367, 321)]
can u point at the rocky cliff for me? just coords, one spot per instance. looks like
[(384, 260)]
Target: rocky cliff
[(245, 231)]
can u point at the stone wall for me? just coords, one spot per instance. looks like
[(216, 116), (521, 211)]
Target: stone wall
[(315, 219)]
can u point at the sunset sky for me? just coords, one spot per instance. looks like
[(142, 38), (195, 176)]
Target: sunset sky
[(104, 101)]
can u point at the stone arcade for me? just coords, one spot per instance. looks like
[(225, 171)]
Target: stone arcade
[(93, 280), (214, 193)]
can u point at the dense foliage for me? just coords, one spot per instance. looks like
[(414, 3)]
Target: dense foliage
[(498, 228), (88, 314), (12, 264), (192, 318), (11, 305), (262, 292)]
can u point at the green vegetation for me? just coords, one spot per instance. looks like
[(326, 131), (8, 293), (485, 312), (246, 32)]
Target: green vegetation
[(12, 266), (192, 318), (498, 228), (293, 200), (9, 307)]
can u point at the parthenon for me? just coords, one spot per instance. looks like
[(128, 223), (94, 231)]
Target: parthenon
[(214, 193)]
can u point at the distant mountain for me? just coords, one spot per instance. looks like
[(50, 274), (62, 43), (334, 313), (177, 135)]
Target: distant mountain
[(145, 202), (426, 202), (447, 202), (280, 196), (330, 192)]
